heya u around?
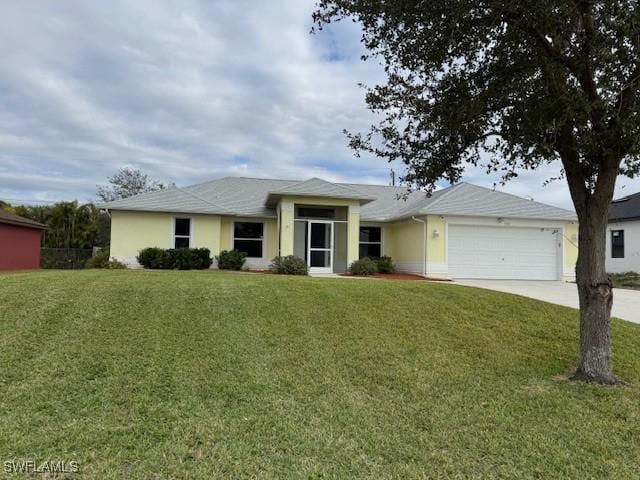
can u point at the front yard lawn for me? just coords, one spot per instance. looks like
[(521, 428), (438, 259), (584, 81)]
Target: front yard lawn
[(207, 375)]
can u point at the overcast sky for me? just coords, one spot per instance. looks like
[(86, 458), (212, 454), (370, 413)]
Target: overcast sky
[(186, 91)]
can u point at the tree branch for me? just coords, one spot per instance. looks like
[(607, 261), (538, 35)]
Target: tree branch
[(627, 97), (576, 178), (582, 71)]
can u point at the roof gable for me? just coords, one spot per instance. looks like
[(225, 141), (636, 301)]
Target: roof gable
[(316, 187)]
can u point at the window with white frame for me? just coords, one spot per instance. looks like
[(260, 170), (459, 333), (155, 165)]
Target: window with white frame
[(617, 243), (248, 237), (370, 242), (182, 233)]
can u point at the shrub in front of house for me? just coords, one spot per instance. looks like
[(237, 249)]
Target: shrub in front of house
[(152, 257), (116, 265), (188, 258), (175, 258), (203, 256), (385, 265), (289, 265), (100, 260), (231, 260), (103, 260), (364, 267)]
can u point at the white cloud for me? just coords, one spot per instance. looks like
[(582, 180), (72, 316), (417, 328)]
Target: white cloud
[(186, 91)]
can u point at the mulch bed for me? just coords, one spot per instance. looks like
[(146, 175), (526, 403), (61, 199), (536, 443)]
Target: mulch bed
[(399, 276)]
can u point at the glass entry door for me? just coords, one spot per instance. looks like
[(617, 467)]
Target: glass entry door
[(320, 242)]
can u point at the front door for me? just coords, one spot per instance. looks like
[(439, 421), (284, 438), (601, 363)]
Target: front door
[(320, 242)]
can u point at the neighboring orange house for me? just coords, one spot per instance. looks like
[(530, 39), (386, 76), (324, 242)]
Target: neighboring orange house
[(19, 242)]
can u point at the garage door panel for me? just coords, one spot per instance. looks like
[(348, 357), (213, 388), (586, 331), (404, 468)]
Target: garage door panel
[(502, 253)]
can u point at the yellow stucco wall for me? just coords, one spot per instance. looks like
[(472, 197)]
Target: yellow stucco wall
[(133, 231), (353, 235), (271, 234), (436, 242), (404, 240), (388, 238), (226, 233), (287, 216), (206, 232), (406, 245)]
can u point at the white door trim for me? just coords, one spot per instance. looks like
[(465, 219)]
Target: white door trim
[(328, 269)]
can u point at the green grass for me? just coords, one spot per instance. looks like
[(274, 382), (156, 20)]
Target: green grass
[(629, 280), (220, 375)]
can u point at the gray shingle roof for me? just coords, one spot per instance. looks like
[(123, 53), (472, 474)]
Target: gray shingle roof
[(625, 208), (392, 202), (178, 200), (253, 197), (472, 200)]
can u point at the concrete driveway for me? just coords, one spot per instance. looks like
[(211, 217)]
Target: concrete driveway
[(626, 303)]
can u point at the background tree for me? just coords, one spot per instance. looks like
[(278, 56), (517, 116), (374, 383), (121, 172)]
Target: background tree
[(6, 206), (527, 82), (128, 182), (69, 225)]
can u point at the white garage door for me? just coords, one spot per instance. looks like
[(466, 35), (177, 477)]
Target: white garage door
[(503, 253)]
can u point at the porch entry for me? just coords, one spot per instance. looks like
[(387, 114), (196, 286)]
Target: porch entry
[(321, 242)]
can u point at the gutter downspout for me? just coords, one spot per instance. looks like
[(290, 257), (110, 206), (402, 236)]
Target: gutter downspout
[(424, 244)]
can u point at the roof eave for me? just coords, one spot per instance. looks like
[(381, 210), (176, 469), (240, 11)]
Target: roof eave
[(624, 219), (16, 223), (189, 212), (449, 214), (274, 197)]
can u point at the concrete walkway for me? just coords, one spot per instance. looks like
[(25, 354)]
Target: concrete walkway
[(626, 303)]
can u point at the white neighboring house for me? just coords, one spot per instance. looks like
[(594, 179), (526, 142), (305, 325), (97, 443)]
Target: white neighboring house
[(623, 235)]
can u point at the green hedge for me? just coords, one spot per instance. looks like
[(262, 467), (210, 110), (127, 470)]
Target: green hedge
[(385, 264), (364, 267), (231, 260), (289, 265), (372, 265), (175, 258)]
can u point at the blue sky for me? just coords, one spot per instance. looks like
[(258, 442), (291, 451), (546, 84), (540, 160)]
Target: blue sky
[(187, 91)]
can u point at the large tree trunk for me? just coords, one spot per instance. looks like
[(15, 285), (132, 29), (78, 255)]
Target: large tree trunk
[(596, 298)]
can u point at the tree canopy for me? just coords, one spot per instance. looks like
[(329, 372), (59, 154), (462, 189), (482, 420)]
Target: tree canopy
[(126, 183), (69, 225), (526, 83)]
